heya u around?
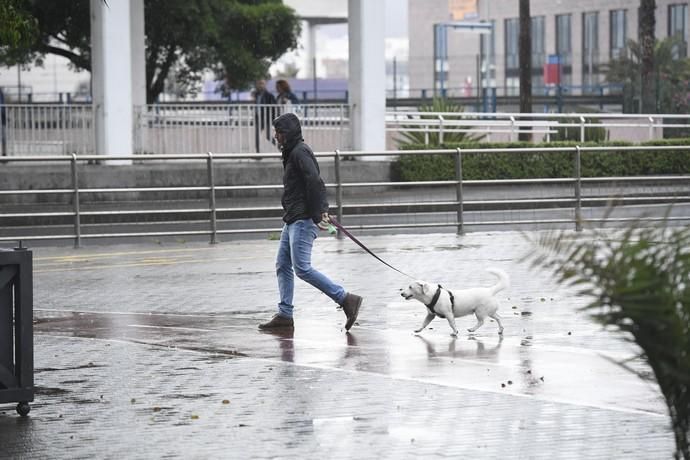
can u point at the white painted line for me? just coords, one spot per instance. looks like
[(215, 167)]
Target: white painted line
[(176, 328)]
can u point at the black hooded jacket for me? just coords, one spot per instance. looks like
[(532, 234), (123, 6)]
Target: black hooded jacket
[(304, 193)]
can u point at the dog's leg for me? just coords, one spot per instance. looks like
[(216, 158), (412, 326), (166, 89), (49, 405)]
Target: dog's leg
[(498, 321), (480, 321), (451, 322), (426, 322)]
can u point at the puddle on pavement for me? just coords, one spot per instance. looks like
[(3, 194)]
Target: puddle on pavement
[(73, 368), (49, 391), (188, 396)]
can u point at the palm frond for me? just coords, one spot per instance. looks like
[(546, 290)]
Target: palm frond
[(638, 282)]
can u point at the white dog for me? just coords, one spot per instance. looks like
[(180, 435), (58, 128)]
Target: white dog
[(451, 304)]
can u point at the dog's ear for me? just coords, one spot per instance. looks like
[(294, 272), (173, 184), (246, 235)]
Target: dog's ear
[(424, 286)]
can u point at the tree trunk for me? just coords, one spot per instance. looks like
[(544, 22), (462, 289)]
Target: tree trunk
[(647, 39), (525, 50)]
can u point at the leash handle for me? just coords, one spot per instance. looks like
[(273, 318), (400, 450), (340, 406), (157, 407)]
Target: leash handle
[(339, 226)]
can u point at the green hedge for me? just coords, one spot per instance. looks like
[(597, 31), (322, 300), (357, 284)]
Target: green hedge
[(517, 165)]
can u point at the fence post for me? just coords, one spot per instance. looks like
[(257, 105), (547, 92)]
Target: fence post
[(75, 202), (582, 129), (341, 128), (338, 191), (512, 128), (578, 190), (651, 128), (212, 197), (257, 129), (440, 130), (458, 189)]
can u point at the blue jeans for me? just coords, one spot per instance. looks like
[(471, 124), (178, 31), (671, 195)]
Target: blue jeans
[(294, 257)]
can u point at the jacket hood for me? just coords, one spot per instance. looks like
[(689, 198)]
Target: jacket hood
[(289, 125)]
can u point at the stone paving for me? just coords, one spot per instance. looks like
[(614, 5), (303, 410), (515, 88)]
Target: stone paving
[(152, 351)]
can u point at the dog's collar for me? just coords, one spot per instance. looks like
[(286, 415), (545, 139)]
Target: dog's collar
[(434, 300)]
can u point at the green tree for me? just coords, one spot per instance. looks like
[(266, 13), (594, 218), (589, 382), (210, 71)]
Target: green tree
[(638, 283), (16, 26), (236, 39)]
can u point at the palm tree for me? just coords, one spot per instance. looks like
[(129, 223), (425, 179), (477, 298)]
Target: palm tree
[(647, 22), (432, 137), (639, 283), (525, 52), (671, 75)]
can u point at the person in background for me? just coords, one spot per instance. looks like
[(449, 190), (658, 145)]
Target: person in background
[(285, 94), (263, 114), (305, 206)]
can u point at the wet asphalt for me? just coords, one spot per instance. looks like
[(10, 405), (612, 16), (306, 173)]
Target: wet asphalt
[(152, 351)]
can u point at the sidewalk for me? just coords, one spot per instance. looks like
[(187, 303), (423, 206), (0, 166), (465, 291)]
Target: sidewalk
[(152, 351)]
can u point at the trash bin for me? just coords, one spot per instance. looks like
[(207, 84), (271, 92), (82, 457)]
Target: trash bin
[(16, 329)]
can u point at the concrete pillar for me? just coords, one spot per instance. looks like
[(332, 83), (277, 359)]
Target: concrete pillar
[(309, 31), (367, 74), (138, 45), (111, 77)]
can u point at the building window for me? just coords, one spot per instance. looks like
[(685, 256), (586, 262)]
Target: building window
[(538, 52), (617, 22), (512, 57), (590, 50), (677, 20), (564, 47)]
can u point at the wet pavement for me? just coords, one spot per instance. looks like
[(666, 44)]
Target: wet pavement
[(152, 351)]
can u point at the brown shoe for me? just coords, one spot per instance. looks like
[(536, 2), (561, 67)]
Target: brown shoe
[(351, 306), (278, 322)]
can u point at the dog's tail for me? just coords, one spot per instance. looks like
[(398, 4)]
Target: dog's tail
[(503, 280)]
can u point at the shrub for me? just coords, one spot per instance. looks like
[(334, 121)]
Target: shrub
[(519, 165)]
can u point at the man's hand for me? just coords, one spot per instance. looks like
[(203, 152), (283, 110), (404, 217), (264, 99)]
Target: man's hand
[(325, 221)]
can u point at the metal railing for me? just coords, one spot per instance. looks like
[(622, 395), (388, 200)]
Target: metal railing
[(165, 129), (448, 207), (507, 126), (243, 128), (47, 129), (175, 129)]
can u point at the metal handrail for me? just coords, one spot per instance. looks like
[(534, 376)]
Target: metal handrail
[(211, 211)]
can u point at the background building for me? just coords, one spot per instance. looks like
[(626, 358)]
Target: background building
[(585, 34)]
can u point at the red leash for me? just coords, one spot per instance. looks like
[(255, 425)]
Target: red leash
[(337, 224)]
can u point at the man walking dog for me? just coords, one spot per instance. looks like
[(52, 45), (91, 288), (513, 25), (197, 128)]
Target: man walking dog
[(305, 206)]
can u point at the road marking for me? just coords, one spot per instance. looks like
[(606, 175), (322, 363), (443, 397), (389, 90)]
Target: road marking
[(123, 253), (144, 263), (177, 328), (123, 313)]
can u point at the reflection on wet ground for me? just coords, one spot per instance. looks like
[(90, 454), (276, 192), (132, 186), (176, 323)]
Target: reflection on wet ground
[(158, 347)]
